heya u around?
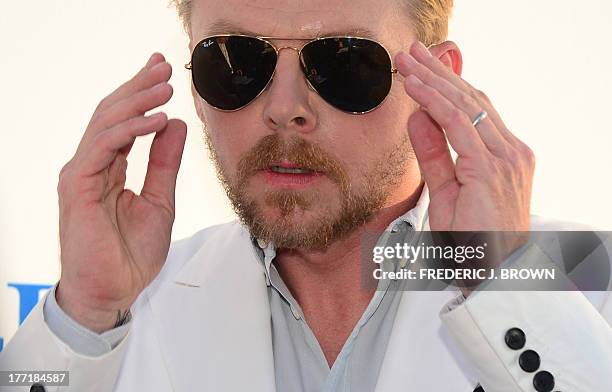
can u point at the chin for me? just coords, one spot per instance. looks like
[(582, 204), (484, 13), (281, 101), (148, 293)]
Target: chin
[(293, 217), (294, 228)]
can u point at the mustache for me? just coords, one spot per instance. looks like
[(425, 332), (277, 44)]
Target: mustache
[(272, 149)]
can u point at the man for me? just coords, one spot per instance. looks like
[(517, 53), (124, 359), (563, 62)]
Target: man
[(316, 150)]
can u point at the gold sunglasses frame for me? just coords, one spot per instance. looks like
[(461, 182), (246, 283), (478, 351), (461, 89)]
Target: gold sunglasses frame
[(299, 52)]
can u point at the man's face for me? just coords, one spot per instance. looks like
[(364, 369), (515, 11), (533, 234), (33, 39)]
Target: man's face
[(357, 164)]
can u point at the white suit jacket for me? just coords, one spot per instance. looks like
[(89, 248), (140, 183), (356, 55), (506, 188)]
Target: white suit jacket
[(193, 331)]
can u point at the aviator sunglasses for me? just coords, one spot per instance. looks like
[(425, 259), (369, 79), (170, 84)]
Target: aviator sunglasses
[(352, 74)]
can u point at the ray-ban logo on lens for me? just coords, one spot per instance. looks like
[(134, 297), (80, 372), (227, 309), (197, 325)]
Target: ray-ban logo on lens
[(208, 43)]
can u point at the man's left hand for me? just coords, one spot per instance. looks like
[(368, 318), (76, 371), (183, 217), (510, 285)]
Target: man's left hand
[(488, 188)]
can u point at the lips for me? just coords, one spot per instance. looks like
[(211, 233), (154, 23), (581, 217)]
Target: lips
[(290, 170), (290, 175), (287, 167)]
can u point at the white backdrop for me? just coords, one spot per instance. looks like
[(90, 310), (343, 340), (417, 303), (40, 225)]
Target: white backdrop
[(545, 64)]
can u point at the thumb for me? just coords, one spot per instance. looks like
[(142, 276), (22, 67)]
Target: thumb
[(431, 150), (164, 162)]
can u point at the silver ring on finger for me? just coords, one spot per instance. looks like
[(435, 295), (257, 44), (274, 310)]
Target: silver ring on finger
[(481, 116)]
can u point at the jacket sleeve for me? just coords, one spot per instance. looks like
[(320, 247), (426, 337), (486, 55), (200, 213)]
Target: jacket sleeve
[(35, 347), (525, 341)]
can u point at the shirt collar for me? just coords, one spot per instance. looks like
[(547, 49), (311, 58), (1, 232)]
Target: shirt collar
[(416, 218)]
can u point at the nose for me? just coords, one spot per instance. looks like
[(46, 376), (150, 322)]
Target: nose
[(287, 102)]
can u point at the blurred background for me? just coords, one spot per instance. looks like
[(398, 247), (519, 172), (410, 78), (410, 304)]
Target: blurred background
[(544, 64)]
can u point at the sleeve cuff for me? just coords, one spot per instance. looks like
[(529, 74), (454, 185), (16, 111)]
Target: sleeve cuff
[(559, 325), (76, 336)]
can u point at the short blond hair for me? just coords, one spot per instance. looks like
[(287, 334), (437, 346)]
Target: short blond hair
[(430, 17)]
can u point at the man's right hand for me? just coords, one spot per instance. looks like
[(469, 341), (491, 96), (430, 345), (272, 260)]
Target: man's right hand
[(114, 242)]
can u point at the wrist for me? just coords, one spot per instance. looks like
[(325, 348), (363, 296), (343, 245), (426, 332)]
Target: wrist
[(93, 315)]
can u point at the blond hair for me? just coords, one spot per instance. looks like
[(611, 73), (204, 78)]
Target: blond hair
[(429, 17)]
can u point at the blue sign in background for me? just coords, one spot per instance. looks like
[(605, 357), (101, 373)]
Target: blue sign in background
[(28, 298)]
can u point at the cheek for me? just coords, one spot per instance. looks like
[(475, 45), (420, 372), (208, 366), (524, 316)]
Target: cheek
[(233, 133), (362, 141)]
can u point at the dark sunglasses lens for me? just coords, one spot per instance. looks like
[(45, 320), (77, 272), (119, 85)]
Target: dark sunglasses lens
[(351, 74), (229, 72)]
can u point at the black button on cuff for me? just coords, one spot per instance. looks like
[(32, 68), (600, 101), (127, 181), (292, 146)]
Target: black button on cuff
[(529, 361), (515, 338), (543, 381), (37, 388)]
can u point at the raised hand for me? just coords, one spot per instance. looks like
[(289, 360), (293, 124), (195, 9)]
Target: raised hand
[(489, 185), (114, 242)]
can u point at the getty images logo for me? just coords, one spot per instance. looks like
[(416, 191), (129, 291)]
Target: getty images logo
[(28, 298)]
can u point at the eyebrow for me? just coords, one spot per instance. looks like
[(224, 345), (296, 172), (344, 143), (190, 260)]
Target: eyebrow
[(225, 26)]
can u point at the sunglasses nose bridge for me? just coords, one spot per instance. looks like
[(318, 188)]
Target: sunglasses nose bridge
[(299, 53), (297, 50)]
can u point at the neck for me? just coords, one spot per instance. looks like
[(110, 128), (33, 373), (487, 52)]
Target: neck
[(328, 283)]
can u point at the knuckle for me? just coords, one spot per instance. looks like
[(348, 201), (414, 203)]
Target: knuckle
[(133, 124), (481, 95), (64, 178), (102, 139), (529, 155), (476, 170), (456, 116), (465, 100), (103, 104), (99, 120)]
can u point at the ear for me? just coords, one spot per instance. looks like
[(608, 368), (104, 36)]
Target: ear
[(449, 54)]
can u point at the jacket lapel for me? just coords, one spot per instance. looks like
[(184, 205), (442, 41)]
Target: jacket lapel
[(420, 355), (213, 318), (419, 346)]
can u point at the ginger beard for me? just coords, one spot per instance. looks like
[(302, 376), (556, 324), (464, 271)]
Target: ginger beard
[(287, 228)]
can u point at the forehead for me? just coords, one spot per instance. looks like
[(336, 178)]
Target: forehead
[(297, 18)]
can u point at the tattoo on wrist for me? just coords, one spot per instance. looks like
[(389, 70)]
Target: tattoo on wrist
[(122, 317)]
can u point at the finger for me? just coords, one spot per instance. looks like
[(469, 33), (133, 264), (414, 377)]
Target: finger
[(132, 106), (116, 178), (154, 59), (152, 74), (407, 64), (138, 82), (422, 54), (164, 163), (431, 150), (106, 144), (462, 136), (493, 113)]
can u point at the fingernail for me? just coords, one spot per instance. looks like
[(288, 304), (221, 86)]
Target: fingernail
[(150, 60), (407, 58), (158, 65), (414, 80), (422, 49), (156, 115), (160, 86)]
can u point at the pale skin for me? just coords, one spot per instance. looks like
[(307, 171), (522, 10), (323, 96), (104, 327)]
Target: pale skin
[(114, 242)]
